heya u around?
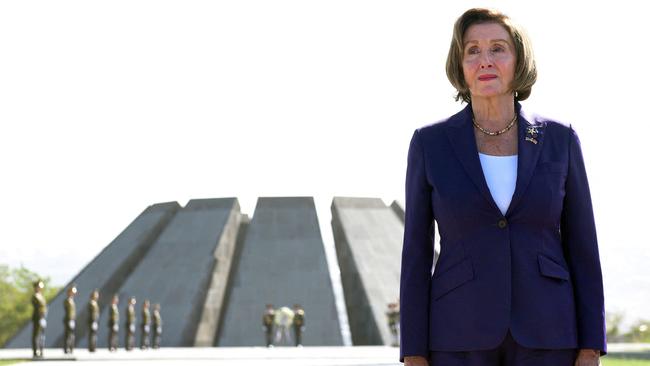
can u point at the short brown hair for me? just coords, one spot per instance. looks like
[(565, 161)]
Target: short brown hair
[(525, 69)]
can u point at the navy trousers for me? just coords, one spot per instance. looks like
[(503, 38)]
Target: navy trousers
[(509, 353)]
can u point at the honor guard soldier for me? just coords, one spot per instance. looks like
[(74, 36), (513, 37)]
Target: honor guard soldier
[(267, 322), (393, 322), (145, 327), (157, 326), (93, 320), (69, 320), (38, 319), (298, 323), (113, 324), (130, 325)]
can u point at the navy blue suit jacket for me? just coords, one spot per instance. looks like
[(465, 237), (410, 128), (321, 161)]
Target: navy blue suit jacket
[(535, 270)]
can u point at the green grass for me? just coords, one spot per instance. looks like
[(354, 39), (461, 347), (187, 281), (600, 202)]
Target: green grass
[(11, 362), (606, 361)]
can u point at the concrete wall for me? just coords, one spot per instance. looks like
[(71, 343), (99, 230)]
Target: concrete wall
[(282, 262), (368, 237), (398, 208), (178, 271), (106, 272)]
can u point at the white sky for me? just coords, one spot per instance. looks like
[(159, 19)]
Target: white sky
[(107, 107)]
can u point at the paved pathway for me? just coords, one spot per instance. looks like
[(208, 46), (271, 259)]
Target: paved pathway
[(249, 356), (245, 356)]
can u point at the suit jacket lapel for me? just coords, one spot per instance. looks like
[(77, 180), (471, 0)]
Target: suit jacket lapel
[(463, 142), (461, 136), (528, 151)]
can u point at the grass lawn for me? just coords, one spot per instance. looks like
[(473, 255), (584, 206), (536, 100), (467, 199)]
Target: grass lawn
[(2, 362), (606, 361)]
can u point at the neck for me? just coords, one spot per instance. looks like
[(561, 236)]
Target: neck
[(493, 113)]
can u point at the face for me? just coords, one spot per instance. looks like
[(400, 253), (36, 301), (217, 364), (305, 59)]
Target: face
[(488, 60)]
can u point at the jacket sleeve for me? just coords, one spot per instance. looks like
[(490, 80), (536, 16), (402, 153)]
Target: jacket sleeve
[(417, 257), (580, 246)]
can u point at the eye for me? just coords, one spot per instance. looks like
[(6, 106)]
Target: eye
[(473, 51), (497, 48)]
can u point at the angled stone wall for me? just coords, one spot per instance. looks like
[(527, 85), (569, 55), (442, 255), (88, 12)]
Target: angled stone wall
[(106, 272), (282, 262), (177, 271), (368, 237)]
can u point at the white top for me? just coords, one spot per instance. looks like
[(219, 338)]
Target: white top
[(501, 177)]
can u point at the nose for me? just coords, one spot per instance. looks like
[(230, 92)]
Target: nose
[(486, 60)]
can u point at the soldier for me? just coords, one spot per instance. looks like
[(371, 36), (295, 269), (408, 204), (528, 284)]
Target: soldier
[(130, 325), (38, 319), (267, 321), (393, 322), (298, 323), (145, 326), (93, 320), (69, 318), (157, 326), (283, 320), (113, 324)]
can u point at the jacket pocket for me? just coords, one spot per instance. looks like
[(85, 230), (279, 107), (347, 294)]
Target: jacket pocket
[(549, 268), (452, 278)]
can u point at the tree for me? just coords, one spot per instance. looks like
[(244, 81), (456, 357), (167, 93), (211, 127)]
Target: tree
[(640, 331), (16, 288), (614, 321)]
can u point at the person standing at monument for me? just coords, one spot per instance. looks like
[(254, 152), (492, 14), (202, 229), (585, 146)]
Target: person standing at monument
[(130, 325), (69, 320), (145, 326), (518, 281), (93, 320), (298, 323), (39, 322), (113, 324), (267, 323), (157, 326)]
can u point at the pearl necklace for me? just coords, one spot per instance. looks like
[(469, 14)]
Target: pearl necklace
[(492, 133)]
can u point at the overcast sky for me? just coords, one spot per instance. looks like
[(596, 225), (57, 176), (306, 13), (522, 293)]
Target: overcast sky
[(107, 107)]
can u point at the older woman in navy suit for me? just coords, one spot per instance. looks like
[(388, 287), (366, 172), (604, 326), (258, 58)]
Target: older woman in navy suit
[(518, 279)]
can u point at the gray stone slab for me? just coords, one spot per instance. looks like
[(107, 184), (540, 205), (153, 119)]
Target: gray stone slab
[(176, 272), (282, 262), (368, 237), (398, 208), (106, 272)]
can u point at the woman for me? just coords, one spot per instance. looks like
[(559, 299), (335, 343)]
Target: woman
[(518, 279)]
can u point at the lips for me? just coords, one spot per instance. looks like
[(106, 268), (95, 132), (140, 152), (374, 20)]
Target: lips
[(487, 77)]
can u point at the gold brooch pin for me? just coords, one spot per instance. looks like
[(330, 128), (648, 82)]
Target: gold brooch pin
[(531, 134)]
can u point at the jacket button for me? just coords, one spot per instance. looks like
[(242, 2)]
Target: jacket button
[(502, 223)]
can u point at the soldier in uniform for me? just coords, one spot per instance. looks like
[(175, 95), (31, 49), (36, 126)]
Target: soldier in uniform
[(298, 323), (130, 325), (113, 324), (93, 320), (38, 319), (157, 326), (145, 326), (393, 322), (267, 322), (69, 320)]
